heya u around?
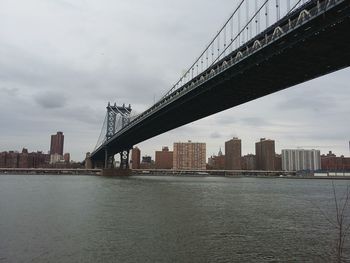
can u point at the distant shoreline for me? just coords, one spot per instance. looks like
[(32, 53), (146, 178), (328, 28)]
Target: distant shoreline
[(247, 176), (164, 173), (48, 171)]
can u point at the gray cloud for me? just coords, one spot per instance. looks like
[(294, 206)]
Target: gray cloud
[(51, 100), (254, 122), (315, 103), (9, 91), (215, 135)]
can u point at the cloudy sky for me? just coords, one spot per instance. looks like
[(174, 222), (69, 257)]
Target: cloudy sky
[(61, 62)]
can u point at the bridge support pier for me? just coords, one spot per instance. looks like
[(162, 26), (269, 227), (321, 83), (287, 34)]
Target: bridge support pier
[(124, 159), (109, 168), (88, 162), (108, 160)]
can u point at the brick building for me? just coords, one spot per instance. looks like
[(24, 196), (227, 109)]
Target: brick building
[(3, 159), (265, 155), (331, 162), (57, 142), (12, 159), (248, 162), (233, 154), (164, 159), (217, 162), (135, 158), (189, 156), (147, 162), (278, 162), (24, 159)]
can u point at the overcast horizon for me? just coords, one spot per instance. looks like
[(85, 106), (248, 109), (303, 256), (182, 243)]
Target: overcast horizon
[(63, 61)]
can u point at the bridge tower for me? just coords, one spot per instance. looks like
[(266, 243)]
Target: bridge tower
[(117, 118), (112, 113)]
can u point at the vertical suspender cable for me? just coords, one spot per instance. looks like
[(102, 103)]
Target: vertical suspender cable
[(239, 27), (225, 41), (218, 40), (207, 51), (267, 13), (212, 52), (231, 44), (256, 17), (247, 19)]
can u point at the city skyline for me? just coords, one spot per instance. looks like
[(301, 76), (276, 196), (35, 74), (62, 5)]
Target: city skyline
[(265, 158), (74, 74), (278, 150), (192, 155)]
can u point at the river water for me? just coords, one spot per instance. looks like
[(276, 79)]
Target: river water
[(165, 219)]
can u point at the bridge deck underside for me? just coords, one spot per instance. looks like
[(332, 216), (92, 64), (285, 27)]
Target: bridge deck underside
[(315, 49)]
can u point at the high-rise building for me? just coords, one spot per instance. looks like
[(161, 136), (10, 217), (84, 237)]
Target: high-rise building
[(57, 142), (233, 154), (135, 158), (265, 155), (164, 159), (301, 160), (189, 156)]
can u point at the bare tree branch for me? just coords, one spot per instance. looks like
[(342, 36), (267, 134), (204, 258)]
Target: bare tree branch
[(341, 224)]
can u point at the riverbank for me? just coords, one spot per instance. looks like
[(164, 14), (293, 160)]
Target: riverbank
[(214, 173), (49, 171), (177, 173)]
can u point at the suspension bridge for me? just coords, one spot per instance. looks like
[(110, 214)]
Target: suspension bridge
[(265, 46)]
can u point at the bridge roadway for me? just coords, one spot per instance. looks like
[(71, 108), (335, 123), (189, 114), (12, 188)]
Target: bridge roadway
[(292, 51)]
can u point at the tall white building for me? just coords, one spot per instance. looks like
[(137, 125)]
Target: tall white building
[(301, 160)]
